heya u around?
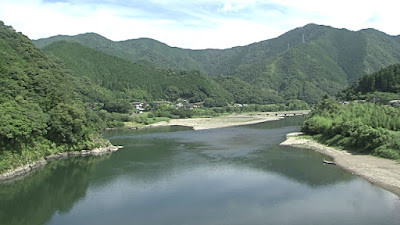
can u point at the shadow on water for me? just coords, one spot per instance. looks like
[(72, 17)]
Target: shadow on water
[(54, 188)]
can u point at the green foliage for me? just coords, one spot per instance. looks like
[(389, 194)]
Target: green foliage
[(117, 105), (20, 122), (244, 93), (381, 86), (44, 108), (367, 128), (67, 124)]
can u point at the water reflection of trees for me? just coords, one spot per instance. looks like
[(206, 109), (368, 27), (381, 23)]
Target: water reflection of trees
[(55, 188)]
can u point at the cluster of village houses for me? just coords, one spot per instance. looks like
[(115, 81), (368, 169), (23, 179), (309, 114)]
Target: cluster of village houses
[(142, 106)]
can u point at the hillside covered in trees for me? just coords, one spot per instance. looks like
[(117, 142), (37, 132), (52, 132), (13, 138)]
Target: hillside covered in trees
[(381, 86), (137, 82), (44, 107), (305, 63)]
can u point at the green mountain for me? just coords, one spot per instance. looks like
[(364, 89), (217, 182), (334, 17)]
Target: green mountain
[(44, 108), (305, 63), (136, 82)]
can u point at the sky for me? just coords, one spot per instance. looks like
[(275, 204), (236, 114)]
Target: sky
[(194, 24)]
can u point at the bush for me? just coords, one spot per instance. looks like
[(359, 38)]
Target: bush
[(317, 125), (364, 128), (386, 153)]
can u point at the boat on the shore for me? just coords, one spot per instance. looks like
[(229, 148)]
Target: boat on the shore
[(329, 162)]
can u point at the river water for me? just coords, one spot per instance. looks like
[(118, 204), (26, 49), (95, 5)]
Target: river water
[(175, 175)]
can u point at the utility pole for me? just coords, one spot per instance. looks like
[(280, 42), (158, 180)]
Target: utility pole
[(303, 39)]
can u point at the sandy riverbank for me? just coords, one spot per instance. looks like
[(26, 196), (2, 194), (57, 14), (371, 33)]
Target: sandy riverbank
[(228, 121), (380, 171)]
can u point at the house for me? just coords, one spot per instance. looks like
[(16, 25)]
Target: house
[(394, 103), (139, 106), (179, 105), (343, 102)]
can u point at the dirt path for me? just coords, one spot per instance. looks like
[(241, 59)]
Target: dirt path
[(380, 171)]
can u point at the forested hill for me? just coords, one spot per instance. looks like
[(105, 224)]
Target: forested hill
[(382, 86), (44, 108), (137, 82), (305, 63)]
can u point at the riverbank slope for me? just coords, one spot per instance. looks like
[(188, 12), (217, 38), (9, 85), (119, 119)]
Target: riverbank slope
[(25, 169), (380, 171)]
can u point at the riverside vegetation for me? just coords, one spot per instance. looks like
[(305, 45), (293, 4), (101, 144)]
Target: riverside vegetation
[(371, 127), (366, 128)]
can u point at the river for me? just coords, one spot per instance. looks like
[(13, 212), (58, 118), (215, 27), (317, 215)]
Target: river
[(175, 175)]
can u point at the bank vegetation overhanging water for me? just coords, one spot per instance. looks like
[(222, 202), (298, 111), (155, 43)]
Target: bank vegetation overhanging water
[(30, 167)]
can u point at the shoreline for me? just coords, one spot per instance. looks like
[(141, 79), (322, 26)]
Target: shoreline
[(33, 166), (382, 172), (228, 120)]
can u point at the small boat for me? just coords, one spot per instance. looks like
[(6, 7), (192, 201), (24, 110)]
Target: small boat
[(329, 162)]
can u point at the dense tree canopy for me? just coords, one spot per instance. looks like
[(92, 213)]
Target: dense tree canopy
[(43, 107), (136, 82), (382, 85)]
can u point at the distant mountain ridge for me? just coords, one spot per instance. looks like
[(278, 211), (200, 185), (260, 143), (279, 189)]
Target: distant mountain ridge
[(305, 63)]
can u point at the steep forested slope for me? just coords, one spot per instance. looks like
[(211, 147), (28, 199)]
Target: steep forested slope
[(305, 63), (43, 107), (381, 86), (135, 81), (244, 93)]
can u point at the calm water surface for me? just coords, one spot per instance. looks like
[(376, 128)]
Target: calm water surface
[(174, 175)]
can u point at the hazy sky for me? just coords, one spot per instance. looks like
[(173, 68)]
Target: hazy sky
[(195, 24)]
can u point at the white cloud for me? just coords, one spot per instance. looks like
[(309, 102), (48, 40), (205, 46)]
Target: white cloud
[(236, 5), (227, 7), (353, 15), (195, 24), (225, 35)]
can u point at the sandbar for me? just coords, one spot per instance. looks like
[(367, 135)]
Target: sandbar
[(229, 120)]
